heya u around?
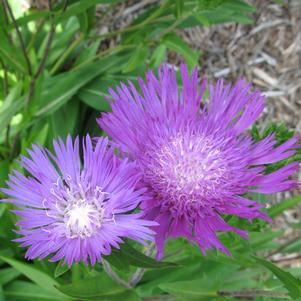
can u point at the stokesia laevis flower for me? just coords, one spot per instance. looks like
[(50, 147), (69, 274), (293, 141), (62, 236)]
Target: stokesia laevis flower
[(198, 160), (76, 212)]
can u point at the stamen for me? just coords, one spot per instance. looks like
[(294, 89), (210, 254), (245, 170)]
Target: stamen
[(82, 211), (82, 218), (188, 168)]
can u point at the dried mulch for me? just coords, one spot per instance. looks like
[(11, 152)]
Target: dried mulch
[(267, 53)]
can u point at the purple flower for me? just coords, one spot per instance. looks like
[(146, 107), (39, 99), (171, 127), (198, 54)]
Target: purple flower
[(197, 159), (76, 212)]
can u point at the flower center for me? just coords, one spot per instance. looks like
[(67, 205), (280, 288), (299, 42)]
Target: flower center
[(82, 218), (79, 210), (188, 168)]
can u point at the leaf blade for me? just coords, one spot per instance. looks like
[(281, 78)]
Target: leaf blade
[(98, 288), (292, 284), (40, 278), (138, 259)]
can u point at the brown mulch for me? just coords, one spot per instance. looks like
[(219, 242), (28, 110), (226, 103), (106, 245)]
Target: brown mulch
[(267, 53)]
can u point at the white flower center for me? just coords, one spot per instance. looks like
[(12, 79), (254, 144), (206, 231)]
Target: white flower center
[(79, 209), (82, 218)]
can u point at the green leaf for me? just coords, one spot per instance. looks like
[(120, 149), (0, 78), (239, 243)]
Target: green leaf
[(241, 279), (118, 261), (95, 93), (62, 87), (281, 132), (64, 121), (158, 56), (7, 112), (60, 45), (138, 58), (98, 288), (179, 8), (12, 104), (41, 136), (80, 7), (91, 18), (242, 19), (292, 247), (2, 297), (258, 241), (38, 135), (239, 6), (136, 258), (4, 170), (88, 53), (210, 4), (228, 11), (7, 275), (199, 289), (175, 43), (202, 19), (3, 207), (11, 54), (189, 269), (83, 22), (292, 284), (2, 16), (277, 209), (22, 290), (40, 278), (29, 18), (61, 269)]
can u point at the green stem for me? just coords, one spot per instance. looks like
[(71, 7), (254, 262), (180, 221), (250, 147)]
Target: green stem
[(5, 79), (22, 44), (45, 54), (103, 53), (137, 276), (113, 275), (5, 93), (175, 24)]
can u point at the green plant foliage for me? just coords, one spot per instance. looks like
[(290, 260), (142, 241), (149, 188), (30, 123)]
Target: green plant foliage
[(39, 277), (23, 290), (100, 287), (281, 134), (199, 289), (291, 283), (61, 269), (55, 70), (132, 256)]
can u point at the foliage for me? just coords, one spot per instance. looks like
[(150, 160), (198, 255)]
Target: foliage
[(55, 72)]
